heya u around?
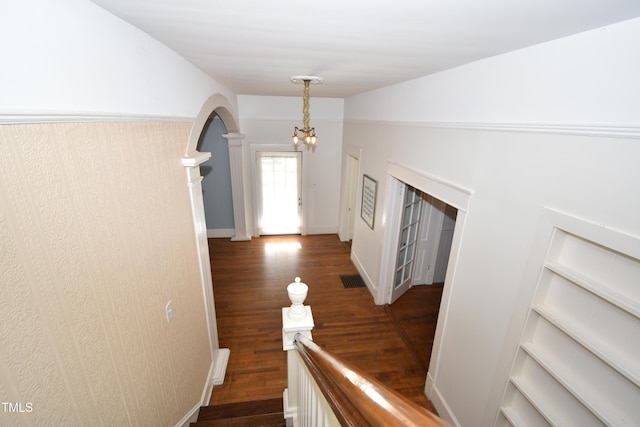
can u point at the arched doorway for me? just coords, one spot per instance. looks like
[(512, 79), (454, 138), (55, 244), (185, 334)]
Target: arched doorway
[(220, 106)]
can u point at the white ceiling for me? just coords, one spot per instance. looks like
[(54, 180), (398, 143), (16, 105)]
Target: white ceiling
[(255, 46)]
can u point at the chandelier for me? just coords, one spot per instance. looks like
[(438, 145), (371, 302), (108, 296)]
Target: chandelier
[(307, 134)]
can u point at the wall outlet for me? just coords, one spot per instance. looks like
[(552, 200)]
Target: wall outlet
[(169, 310)]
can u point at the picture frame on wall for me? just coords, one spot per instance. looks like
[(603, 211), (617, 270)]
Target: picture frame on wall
[(368, 206)]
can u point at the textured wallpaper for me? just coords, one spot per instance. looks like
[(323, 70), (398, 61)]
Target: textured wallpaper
[(96, 237)]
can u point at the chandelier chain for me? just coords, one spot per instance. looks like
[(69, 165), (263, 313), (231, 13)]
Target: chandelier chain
[(307, 134), (305, 105)]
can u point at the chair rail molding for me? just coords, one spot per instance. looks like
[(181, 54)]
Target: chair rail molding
[(595, 130)]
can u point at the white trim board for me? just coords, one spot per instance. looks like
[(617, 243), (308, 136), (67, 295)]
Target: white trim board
[(216, 233), (74, 117), (602, 130)]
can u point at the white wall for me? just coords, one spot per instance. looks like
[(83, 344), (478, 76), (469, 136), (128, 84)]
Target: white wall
[(70, 57), (268, 124), (538, 127), (588, 78)]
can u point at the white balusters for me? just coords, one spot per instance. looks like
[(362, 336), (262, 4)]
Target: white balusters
[(304, 403)]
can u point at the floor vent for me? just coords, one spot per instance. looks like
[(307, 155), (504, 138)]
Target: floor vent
[(352, 281)]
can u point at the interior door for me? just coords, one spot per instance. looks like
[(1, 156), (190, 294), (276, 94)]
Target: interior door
[(280, 195), (431, 221), (444, 246), (352, 175), (407, 241)]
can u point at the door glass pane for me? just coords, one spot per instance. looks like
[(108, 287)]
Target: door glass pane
[(413, 232), (407, 216), (415, 212), (410, 250), (404, 237), (407, 272), (401, 257), (398, 280)]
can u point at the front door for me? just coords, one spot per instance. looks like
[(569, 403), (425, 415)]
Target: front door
[(407, 241), (280, 184)]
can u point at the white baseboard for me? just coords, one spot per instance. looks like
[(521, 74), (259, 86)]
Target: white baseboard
[(217, 371), (220, 233), (240, 239), (191, 417), (438, 401), (322, 229), (289, 412), (220, 366), (363, 273)]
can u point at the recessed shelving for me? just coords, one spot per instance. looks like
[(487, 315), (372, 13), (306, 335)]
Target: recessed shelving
[(578, 361)]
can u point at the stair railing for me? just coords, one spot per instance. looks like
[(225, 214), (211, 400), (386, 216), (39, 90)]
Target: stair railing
[(324, 391)]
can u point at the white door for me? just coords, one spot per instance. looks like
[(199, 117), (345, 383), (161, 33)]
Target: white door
[(407, 243), (352, 175), (280, 192), (432, 218), (444, 246)]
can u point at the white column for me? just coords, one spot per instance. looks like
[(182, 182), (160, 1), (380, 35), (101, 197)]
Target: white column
[(219, 356), (238, 185), (295, 319)]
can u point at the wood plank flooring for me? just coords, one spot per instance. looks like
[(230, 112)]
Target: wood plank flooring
[(391, 343)]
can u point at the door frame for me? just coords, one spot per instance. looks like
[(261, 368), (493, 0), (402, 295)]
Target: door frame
[(451, 194)]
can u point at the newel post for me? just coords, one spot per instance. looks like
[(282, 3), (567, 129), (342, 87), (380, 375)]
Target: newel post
[(295, 319)]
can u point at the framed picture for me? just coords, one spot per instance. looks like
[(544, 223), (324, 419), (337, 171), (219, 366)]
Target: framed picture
[(368, 208)]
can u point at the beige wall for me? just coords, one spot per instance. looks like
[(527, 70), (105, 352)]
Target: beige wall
[(96, 236)]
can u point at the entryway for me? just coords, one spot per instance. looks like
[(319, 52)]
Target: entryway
[(424, 240)]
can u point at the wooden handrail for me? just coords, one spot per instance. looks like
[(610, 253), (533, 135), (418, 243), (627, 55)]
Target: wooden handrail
[(356, 398)]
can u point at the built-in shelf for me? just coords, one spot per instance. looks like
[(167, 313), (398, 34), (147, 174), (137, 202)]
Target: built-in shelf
[(578, 362), (589, 402), (624, 302), (512, 417), (624, 366), (536, 399)]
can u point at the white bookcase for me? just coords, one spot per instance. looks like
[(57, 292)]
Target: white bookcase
[(578, 361)]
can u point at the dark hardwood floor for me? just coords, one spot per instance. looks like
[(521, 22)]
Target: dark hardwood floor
[(391, 343)]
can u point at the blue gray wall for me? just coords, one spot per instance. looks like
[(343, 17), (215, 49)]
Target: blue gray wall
[(216, 187)]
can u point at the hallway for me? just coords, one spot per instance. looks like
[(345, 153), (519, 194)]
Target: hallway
[(250, 280)]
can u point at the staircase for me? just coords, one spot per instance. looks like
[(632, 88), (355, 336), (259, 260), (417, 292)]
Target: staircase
[(259, 413)]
